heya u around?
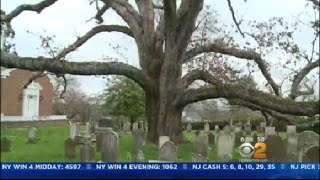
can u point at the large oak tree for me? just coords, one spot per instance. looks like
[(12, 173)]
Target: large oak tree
[(163, 49)]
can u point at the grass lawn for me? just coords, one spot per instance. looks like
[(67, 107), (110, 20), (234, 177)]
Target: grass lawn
[(50, 147)]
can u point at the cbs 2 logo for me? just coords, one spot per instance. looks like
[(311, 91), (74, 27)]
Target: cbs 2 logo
[(258, 151)]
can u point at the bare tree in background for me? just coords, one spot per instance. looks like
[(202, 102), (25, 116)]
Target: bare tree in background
[(163, 49)]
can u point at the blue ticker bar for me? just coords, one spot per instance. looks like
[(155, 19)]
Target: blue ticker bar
[(160, 170)]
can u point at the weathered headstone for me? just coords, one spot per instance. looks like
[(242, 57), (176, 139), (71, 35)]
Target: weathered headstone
[(269, 131), (292, 147), (306, 139), (198, 158), (87, 151), (225, 147), (69, 148), (141, 125), (201, 145), (126, 126), (135, 126), (227, 129), (206, 127), (189, 127), (105, 121), (77, 137), (162, 140), (275, 149), (291, 129), (110, 145), (237, 129), (72, 130), (140, 156), (138, 143), (311, 154), (5, 144), (32, 135), (168, 152), (247, 129), (88, 132), (216, 129)]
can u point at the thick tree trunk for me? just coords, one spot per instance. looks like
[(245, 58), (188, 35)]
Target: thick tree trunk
[(152, 115)]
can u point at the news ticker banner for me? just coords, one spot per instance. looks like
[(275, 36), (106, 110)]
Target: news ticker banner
[(161, 170)]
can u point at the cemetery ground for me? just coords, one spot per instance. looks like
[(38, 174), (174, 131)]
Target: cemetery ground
[(50, 146)]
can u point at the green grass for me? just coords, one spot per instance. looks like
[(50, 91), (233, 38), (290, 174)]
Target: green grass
[(50, 147)]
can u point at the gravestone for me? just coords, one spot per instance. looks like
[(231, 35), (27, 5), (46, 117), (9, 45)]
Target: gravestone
[(141, 125), (275, 149), (168, 152), (247, 129), (138, 143), (87, 151), (198, 158), (311, 154), (225, 147), (135, 126), (259, 129), (110, 146), (237, 129), (238, 137), (87, 131), (227, 129), (291, 129), (126, 126), (292, 147), (216, 129), (189, 127), (306, 139), (32, 135), (162, 140), (269, 131), (140, 156), (201, 145), (69, 148), (105, 121), (5, 144), (72, 130), (206, 127), (77, 137)]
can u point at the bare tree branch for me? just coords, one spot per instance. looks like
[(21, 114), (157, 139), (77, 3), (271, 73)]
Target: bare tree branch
[(90, 34), (34, 77), (190, 77), (287, 118), (259, 98), (27, 7), (187, 16), (299, 77), (128, 14), (64, 86), (155, 6), (100, 12), (234, 18), (239, 53), (76, 68)]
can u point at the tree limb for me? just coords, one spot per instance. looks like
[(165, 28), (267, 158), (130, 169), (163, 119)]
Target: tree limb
[(259, 98), (251, 106), (239, 53), (128, 14), (27, 7), (100, 12), (190, 77), (90, 34), (234, 18), (34, 77), (299, 77), (187, 16), (76, 68)]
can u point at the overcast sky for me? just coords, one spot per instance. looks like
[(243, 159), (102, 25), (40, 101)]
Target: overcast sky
[(67, 19)]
